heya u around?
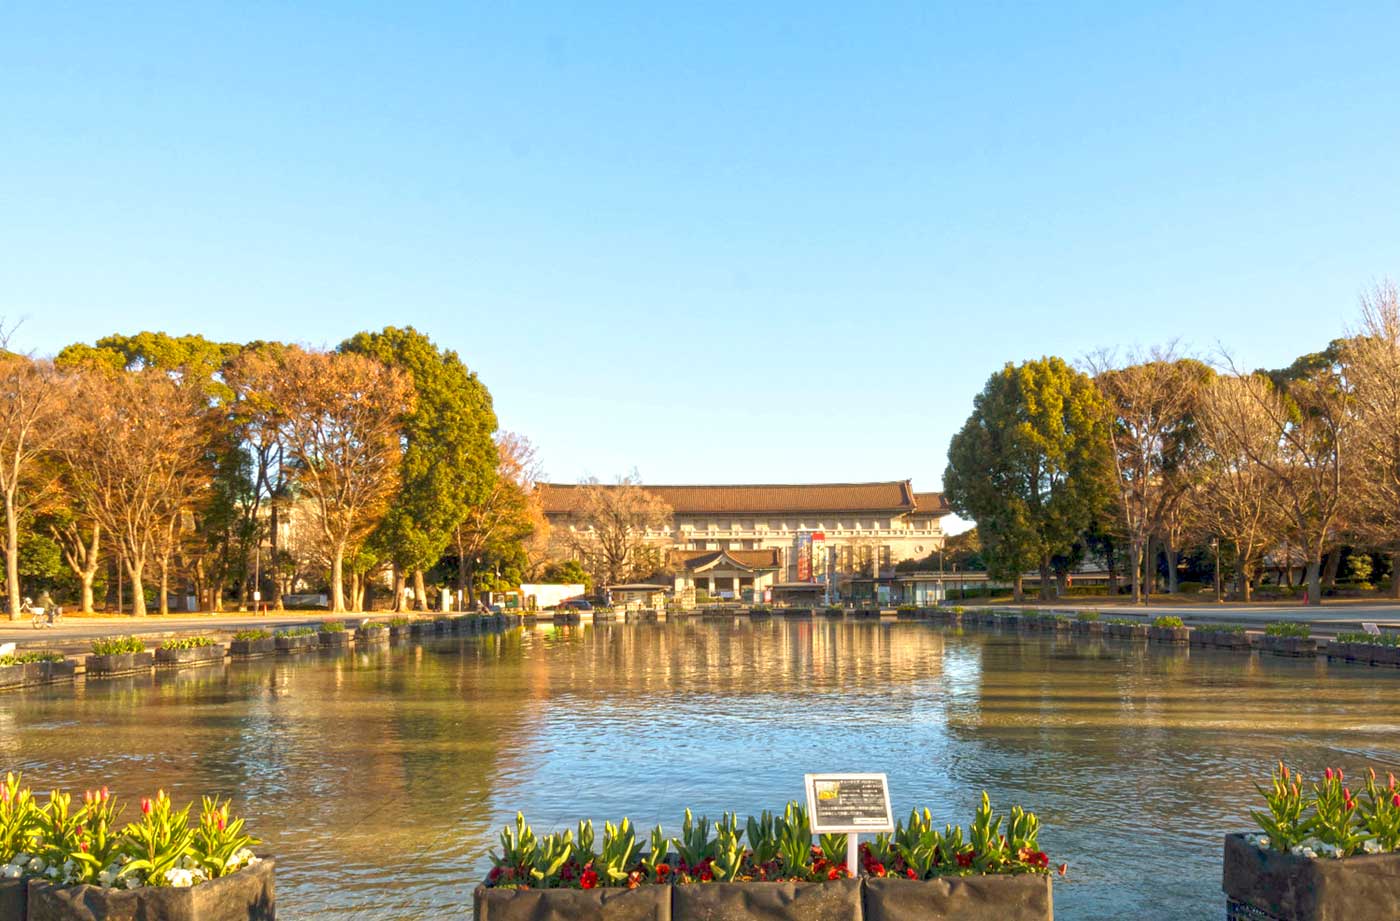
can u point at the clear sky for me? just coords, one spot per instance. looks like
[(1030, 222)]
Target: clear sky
[(714, 242)]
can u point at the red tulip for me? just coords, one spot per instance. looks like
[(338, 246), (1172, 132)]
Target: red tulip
[(909, 872), (589, 880), (1327, 773), (1395, 800), (145, 805)]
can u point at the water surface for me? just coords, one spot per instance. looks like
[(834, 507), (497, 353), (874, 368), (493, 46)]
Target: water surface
[(379, 780)]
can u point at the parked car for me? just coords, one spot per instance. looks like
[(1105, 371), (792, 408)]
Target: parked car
[(576, 604)]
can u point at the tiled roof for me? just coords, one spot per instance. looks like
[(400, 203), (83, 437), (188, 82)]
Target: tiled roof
[(931, 503), (889, 496), (753, 559)]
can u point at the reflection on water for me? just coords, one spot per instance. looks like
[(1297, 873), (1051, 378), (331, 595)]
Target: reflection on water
[(399, 765)]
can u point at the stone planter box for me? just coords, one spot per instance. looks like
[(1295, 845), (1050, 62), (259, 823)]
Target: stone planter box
[(566, 617), (1175, 636), (421, 628), (645, 903), (839, 900), (1088, 628), (1219, 639), (12, 676), (121, 664), (834, 613), (799, 613), (376, 635), (1288, 645), (251, 649), (1365, 653), (399, 632), (296, 643), (1272, 885), (245, 896), (14, 899), (340, 639), (180, 658), (1127, 631), (965, 898), (865, 613)]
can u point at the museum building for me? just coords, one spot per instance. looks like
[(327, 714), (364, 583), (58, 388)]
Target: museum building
[(741, 540)]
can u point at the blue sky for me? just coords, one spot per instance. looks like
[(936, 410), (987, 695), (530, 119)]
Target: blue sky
[(719, 242)]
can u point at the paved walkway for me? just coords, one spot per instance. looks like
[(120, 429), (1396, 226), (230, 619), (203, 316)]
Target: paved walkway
[(1332, 617)]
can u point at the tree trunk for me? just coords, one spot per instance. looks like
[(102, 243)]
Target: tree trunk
[(1334, 562), (400, 580), (420, 591), (338, 579), (12, 556), (1135, 561), (1315, 580), (1395, 575), (88, 574), (1018, 590), (1045, 590), (471, 587), (1173, 579), (164, 586), (1149, 568), (461, 572), (1245, 582), (1110, 561), (1061, 583), (138, 588)]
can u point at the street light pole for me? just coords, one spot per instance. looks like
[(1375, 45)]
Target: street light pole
[(1215, 544)]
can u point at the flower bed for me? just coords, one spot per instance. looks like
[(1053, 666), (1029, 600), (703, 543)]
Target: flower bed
[(372, 633), (1366, 648), (1327, 854), (770, 868), (295, 639), (118, 655), (62, 861), (189, 650), (331, 634), (247, 644), (1224, 636), (1167, 629), (1288, 639)]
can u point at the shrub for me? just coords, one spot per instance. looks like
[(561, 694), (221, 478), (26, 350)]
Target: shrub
[(298, 631), (26, 658), (1087, 617), (332, 626), (1287, 628), (400, 621), (117, 645), (767, 847), (188, 642), (1122, 621), (1189, 588), (374, 626), (1385, 638), (1223, 628), (1167, 622), (257, 634)]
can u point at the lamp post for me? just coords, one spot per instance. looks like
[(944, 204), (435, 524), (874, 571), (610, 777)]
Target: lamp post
[(1215, 545)]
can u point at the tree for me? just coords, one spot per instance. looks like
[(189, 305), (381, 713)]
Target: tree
[(449, 461), (1031, 466), (1232, 499), (1149, 403), (137, 458), (339, 418), (609, 535), (33, 399), (1371, 360), (497, 526), (567, 572)]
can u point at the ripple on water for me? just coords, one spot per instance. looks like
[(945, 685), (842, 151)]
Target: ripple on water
[(401, 766)]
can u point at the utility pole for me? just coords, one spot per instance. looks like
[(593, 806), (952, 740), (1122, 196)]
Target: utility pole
[(1215, 545)]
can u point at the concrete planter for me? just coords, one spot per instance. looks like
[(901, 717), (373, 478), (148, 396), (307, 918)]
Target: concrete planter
[(121, 664), (1219, 639), (251, 649), (567, 617), (14, 899), (340, 639), (378, 635), (245, 896), (965, 898), (290, 644), (645, 903), (199, 655), (1289, 888), (799, 613), (12, 676), (839, 900), (1174, 636), (1365, 653), (421, 628), (399, 632), (1288, 645), (1088, 628)]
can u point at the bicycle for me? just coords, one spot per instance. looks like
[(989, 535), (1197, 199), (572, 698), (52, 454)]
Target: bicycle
[(43, 617)]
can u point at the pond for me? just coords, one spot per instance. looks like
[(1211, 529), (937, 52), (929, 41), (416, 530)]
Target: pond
[(379, 780)]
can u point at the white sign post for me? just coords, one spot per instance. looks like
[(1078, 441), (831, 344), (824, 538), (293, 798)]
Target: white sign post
[(849, 804)]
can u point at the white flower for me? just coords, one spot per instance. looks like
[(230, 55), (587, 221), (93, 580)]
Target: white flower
[(1372, 847), (11, 871), (179, 878), (20, 859), (36, 865), (107, 877), (131, 882), (51, 872)]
